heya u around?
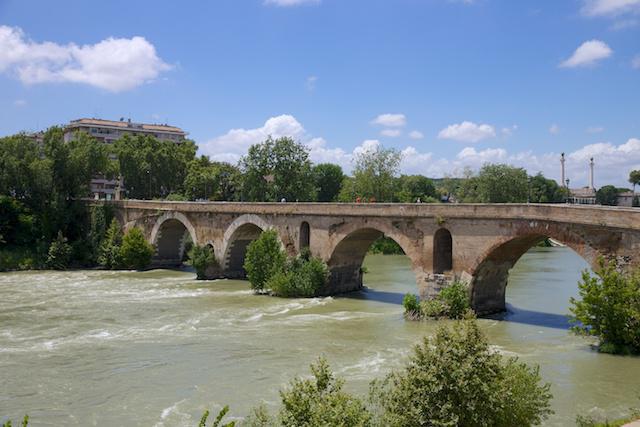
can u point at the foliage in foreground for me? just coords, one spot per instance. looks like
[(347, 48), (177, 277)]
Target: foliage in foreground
[(202, 258), (455, 379), (59, 255), (269, 270), (452, 379), (217, 422), (452, 302), (609, 308)]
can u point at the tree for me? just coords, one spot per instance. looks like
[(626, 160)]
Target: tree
[(59, 253), (608, 308), (151, 167), (202, 259), (455, 379), (607, 195), (374, 172), (320, 401), (264, 259), (136, 252), (302, 276), (109, 254), (634, 179), (500, 183), (414, 187), (212, 180), (277, 169), (543, 190), (328, 181)]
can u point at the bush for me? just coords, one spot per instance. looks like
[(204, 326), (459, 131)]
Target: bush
[(109, 253), (264, 259), (136, 252), (217, 422), (609, 308), (320, 401), (301, 277), (59, 255), (385, 246), (455, 298), (202, 258), (411, 305), (454, 379), (452, 302)]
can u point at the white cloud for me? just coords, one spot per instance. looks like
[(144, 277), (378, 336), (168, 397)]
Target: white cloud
[(414, 134), (588, 54), (624, 24), (609, 7), (393, 133), (311, 83), (288, 3), (390, 120), (467, 132), (554, 129), (234, 144), (635, 62), (112, 64), (508, 131), (595, 129), (20, 103)]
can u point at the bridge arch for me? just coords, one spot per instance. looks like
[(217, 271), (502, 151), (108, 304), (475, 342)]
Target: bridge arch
[(170, 234), (490, 274), (242, 231), (348, 253)]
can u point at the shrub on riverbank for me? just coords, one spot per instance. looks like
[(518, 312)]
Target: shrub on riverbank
[(59, 255), (136, 252), (202, 258), (452, 302), (109, 252), (609, 308), (454, 378), (385, 246), (264, 259)]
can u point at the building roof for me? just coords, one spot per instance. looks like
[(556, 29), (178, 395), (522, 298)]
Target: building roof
[(583, 192), (127, 125)]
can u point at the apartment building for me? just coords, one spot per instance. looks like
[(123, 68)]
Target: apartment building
[(108, 131)]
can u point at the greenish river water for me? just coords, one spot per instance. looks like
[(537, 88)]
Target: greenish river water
[(157, 348)]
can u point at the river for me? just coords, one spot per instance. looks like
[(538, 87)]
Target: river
[(157, 348)]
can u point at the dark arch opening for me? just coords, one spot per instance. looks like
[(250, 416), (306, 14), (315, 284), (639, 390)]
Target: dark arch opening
[(172, 240), (305, 235), (346, 261), (237, 251), (490, 279), (442, 251)]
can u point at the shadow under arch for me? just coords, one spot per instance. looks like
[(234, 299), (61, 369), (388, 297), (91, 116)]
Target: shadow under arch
[(491, 275), (170, 235), (345, 262), (236, 249)]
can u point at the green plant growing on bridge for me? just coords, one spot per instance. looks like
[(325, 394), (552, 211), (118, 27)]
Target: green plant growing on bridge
[(455, 379), (609, 308), (202, 258), (264, 259), (136, 252)]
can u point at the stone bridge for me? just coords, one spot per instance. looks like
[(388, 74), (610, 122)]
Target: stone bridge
[(477, 243)]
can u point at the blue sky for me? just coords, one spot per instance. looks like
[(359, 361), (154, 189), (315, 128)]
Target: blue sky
[(451, 83)]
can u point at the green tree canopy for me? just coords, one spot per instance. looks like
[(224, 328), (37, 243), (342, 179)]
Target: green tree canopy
[(136, 252), (634, 178), (413, 187), (500, 183), (276, 169), (543, 190), (212, 180), (607, 195), (328, 180), (374, 174), (153, 168)]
